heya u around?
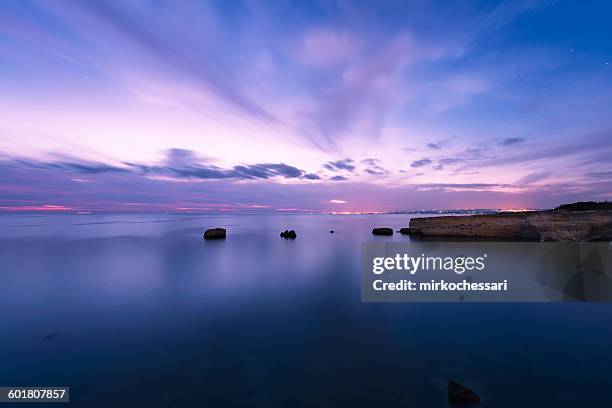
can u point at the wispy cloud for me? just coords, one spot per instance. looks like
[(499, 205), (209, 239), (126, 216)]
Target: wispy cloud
[(374, 167), (511, 141), (346, 164), (420, 163), (437, 145), (152, 38)]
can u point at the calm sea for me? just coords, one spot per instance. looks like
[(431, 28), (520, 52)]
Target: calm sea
[(138, 310)]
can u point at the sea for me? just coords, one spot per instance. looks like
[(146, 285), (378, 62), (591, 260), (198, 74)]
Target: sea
[(138, 310)]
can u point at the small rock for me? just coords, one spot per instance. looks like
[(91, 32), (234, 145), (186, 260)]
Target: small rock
[(405, 231), (288, 234), (215, 233), (460, 393), (331, 231), (382, 231)]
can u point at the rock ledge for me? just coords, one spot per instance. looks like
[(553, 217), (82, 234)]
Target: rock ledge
[(553, 225)]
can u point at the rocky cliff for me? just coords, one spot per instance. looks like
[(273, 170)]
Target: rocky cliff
[(553, 225)]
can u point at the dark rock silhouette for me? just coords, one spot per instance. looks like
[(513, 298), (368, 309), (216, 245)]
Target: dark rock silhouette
[(288, 234), (459, 393), (331, 231), (215, 233), (586, 206), (382, 231), (405, 231)]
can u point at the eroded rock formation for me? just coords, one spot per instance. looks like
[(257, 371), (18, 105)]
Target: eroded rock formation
[(553, 225)]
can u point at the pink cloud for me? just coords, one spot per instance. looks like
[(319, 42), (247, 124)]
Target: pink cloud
[(44, 208)]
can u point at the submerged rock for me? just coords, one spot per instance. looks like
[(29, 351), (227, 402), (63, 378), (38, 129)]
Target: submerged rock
[(382, 231), (52, 336), (461, 394), (288, 234), (215, 233)]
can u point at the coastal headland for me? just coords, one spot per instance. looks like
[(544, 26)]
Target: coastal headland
[(584, 221)]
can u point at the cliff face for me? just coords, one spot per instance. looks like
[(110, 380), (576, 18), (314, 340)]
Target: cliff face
[(555, 225)]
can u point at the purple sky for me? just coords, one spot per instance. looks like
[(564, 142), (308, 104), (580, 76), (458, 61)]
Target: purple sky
[(303, 106)]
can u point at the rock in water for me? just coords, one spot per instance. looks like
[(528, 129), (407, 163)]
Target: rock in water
[(405, 231), (460, 393), (288, 234), (382, 231), (331, 231), (215, 233)]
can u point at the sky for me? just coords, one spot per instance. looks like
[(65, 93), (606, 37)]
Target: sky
[(310, 106)]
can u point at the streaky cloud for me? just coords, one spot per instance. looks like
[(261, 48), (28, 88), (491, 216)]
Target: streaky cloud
[(346, 164), (179, 163), (420, 163), (206, 70), (511, 141)]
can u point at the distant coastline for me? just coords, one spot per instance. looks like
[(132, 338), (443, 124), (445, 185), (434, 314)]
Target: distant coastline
[(459, 211)]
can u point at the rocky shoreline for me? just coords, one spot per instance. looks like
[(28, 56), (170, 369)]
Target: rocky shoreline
[(551, 225)]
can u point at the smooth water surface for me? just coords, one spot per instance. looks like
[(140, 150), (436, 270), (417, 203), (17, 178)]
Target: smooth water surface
[(139, 310)]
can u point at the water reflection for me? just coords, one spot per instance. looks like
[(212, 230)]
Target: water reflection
[(139, 310)]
